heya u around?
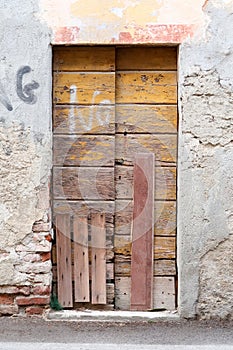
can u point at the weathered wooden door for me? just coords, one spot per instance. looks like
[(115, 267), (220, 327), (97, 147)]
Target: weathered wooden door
[(115, 124)]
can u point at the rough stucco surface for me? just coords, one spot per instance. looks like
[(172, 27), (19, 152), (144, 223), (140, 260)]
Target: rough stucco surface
[(25, 150), (205, 184)]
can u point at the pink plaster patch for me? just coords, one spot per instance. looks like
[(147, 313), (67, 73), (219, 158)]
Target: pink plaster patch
[(149, 34), (125, 37), (157, 34), (66, 35)]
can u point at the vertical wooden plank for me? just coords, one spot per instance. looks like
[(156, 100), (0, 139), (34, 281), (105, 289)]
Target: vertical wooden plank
[(142, 233), (81, 261), (64, 271), (98, 258)]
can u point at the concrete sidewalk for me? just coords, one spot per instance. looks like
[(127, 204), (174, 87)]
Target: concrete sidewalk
[(112, 316)]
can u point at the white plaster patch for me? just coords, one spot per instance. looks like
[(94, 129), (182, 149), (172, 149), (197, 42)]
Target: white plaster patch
[(5, 214), (117, 11)]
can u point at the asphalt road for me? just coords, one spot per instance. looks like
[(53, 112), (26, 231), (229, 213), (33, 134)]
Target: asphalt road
[(38, 334), (96, 346)]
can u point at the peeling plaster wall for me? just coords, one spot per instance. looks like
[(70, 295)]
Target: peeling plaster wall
[(121, 21), (25, 157), (205, 206)]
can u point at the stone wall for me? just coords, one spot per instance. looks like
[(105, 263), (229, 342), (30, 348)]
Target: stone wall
[(25, 158)]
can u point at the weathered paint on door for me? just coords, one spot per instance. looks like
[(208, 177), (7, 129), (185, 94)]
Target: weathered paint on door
[(109, 105)]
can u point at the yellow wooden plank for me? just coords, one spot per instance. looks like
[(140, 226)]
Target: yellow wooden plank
[(164, 148), (81, 261), (98, 119), (84, 150), (83, 183), (146, 87), (161, 267), (84, 88), (151, 119), (165, 218), (165, 247), (165, 182), (151, 58), (84, 59)]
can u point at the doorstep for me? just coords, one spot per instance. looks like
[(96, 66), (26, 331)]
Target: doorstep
[(112, 316)]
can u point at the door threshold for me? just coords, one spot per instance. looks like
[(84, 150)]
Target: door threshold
[(112, 316)]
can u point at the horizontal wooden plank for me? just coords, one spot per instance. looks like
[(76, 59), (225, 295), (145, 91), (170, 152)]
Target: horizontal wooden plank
[(84, 88), (98, 119), (123, 245), (165, 182), (84, 58), (165, 217), (164, 247), (161, 267), (164, 148), (150, 119), (83, 183), (157, 58), (163, 293), (84, 150), (146, 87)]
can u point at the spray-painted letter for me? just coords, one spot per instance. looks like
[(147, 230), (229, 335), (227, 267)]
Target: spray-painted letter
[(26, 93)]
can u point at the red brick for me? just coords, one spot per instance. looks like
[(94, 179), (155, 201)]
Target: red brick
[(9, 309), (6, 299), (33, 300), (34, 310), (45, 256), (42, 290)]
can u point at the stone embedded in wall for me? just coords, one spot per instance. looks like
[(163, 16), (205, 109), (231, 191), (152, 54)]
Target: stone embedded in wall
[(216, 285)]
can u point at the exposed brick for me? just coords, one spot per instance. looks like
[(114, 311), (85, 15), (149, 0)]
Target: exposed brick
[(34, 310), (48, 238), (6, 299), (33, 300), (9, 309), (41, 227), (45, 256), (15, 290), (32, 257), (41, 290)]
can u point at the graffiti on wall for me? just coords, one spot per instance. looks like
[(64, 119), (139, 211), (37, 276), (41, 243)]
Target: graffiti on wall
[(24, 92)]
